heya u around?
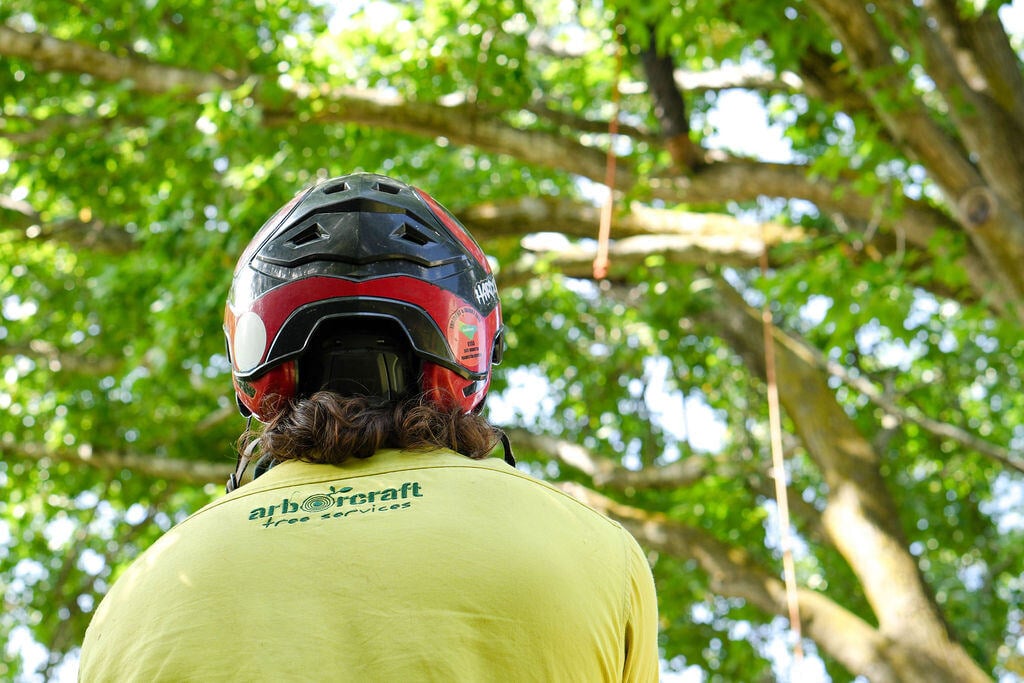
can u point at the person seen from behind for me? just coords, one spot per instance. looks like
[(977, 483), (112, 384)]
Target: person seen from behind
[(377, 541)]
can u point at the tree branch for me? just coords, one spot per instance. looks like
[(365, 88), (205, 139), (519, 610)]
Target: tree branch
[(606, 472), (997, 230), (526, 215), (916, 223), (56, 359), (861, 517), (93, 234), (465, 124), (461, 124), (54, 54), (188, 471), (626, 254), (669, 108), (906, 119), (988, 131), (733, 572), (984, 39), (914, 415), (742, 76)]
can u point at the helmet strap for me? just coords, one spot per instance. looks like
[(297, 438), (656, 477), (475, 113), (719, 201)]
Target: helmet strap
[(244, 456), (507, 445)]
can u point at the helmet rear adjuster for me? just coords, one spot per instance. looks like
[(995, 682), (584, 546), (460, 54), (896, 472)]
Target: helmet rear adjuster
[(363, 358)]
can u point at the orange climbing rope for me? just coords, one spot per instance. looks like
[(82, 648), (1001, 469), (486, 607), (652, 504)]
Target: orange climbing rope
[(601, 261), (779, 468)]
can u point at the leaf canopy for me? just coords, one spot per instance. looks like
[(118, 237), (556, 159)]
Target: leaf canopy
[(142, 144)]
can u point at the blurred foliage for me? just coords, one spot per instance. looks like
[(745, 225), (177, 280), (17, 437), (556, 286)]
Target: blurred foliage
[(119, 350)]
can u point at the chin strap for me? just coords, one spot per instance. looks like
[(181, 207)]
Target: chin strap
[(507, 445), (235, 478)]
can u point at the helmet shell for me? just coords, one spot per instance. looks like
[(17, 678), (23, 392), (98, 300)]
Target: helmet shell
[(362, 248)]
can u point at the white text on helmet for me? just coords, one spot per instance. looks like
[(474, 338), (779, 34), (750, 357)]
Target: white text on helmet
[(486, 292)]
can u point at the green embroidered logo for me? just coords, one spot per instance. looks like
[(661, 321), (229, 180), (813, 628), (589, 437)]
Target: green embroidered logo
[(336, 503)]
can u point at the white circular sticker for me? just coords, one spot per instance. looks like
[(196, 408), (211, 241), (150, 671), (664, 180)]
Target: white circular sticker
[(250, 341)]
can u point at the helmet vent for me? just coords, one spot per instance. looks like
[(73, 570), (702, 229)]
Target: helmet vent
[(336, 187), (410, 233), (385, 187), (311, 234)]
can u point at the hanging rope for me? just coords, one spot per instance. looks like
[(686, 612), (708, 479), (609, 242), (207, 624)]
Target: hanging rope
[(779, 468), (605, 229)]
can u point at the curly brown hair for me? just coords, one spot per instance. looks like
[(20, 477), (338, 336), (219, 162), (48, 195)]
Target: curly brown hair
[(329, 428)]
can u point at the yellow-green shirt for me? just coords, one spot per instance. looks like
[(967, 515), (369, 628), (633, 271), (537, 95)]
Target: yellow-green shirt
[(406, 566)]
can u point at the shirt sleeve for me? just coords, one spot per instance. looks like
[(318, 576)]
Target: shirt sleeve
[(642, 664)]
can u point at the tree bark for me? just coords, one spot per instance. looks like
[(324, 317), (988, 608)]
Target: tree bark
[(860, 518)]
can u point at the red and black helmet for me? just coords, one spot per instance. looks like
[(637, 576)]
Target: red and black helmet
[(362, 284)]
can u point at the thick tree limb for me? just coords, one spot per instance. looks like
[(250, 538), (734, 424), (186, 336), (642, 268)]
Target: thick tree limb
[(861, 518), (669, 108), (626, 254), (187, 471), (733, 572), (605, 472), (53, 54), (464, 124), (917, 223), (999, 234), (981, 43), (92, 234), (742, 76), (528, 215), (991, 132), (549, 112), (907, 120), (57, 360), (461, 124)]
